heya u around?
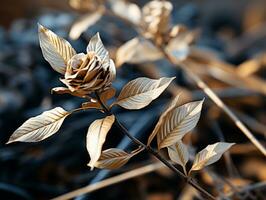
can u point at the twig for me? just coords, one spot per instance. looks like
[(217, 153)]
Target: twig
[(111, 181), (154, 153)]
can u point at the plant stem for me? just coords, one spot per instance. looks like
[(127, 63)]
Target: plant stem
[(154, 153), (201, 84)]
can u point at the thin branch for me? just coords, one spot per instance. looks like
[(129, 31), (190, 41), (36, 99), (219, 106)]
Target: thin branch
[(154, 153)]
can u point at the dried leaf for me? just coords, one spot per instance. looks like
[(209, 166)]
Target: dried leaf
[(178, 153), (127, 10), (107, 94), (96, 46), (209, 155), (172, 105), (137, 50), (140, 92), (114, 158), (96, 135), (178, 122), (84, 23), (56, 50), (40, 127)]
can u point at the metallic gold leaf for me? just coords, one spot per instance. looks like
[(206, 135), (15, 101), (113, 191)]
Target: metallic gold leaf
[(114, 158), (84, 23), (126, 10), (137, 50), (96, 135), (40, 127), (210, 155), (172, 105), (56, 50), (140, 92), (178, 153), (178, 122)]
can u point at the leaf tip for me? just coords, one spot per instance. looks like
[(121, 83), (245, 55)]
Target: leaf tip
[(41, 28), (9, 141)]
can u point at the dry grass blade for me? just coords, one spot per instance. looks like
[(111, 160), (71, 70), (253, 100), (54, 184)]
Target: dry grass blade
[(140, 92), (137, 50), (178, 122), (96, 135), (172, 105), (84, 23), (209, 155), (114, 158), (40, 127), (111, 181), (178, 153), (56, 50)]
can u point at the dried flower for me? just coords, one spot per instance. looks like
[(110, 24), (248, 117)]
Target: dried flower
[(83, 73), (156, 18), (94, 71)]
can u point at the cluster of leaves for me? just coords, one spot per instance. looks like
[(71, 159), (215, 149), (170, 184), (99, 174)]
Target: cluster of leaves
[(172, 126)]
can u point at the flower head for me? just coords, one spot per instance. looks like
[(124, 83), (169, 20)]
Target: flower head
[(156, 18), (83, 73), (94, 71)]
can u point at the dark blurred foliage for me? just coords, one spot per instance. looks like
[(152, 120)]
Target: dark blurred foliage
[(57, 165)]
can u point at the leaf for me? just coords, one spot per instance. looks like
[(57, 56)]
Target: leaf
[(107, 94), (114, 158), (56, 50), (126, 10), (96, 46), (96, 135), (172, 105), (209, 155), (137, 50), (84, 23), (140, 92), (40, 127), (178, 153), (178, 122)]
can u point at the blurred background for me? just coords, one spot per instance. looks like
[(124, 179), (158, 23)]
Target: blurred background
[(233, 30)]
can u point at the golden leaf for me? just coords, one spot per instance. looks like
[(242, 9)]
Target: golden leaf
[(56, 50), (140, 92), (178, 153), (127, 10), (40, 127), (178, 122), (96, 135), (137, 50), (114, 158), (210, 155), (84, 23), (172, 105), (96, 45)]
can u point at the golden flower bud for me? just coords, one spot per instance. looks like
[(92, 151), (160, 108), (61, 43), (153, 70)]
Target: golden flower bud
[(156, 18), (94, 71)]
